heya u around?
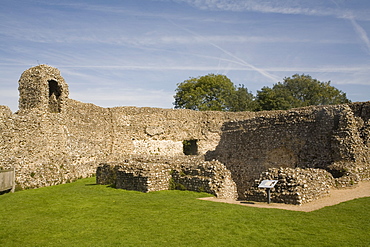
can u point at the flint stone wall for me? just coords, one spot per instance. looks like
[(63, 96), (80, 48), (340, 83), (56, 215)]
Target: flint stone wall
[(44, 88), (294, 186), (52, 148), (53, 139), (156, 174), (333, 138), (48, 146), (143, 177)]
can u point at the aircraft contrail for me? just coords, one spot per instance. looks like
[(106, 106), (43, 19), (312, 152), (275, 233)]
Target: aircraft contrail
[(237, 59), (361, 33)]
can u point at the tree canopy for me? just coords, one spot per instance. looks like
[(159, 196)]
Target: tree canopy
[(242, 100), (218, 93), (212, 93), (299, 91)]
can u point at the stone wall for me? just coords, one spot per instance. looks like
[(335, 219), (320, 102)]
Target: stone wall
[(157, 131), (53, 139), (334, 138), (48, 146), (155, 174), (44, 88), (294, 186)]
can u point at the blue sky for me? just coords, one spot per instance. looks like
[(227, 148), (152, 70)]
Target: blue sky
[(134, 52)]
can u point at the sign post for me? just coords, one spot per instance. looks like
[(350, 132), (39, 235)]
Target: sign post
[(268, 185)]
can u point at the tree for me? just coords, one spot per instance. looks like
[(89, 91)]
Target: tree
[(211, 93), (299, 91), (242, 100)]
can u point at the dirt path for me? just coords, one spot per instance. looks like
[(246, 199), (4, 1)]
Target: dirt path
[(336, 196)]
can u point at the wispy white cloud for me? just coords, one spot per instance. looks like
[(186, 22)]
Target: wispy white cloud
[(48, 35), (361, 33), (338, 69), (117, 46), (234, 57), (220, 67), (298, 7)]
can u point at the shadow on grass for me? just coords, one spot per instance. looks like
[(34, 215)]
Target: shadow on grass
[(90, 184), (247, 203), (5, 191)]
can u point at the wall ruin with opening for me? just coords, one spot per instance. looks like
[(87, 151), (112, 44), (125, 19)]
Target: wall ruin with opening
[(47, 148)]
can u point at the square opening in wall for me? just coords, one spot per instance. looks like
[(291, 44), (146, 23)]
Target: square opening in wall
[(190, 147)]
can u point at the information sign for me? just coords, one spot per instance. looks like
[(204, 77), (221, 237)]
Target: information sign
[(268, 184)]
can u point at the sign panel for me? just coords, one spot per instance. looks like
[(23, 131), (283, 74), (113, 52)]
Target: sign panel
[(267, 184), (7, 180)]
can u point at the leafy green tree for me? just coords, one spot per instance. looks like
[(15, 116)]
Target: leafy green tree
[(242, 100), (211, 93), (299, 91)]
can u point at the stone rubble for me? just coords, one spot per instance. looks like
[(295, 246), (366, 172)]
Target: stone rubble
[(294, 186), (155, 174)]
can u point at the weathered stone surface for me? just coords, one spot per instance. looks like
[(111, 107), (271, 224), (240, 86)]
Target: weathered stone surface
[(44, 88), (294, 186), (333, 138), (50, 142), (53, 139), (154, 174)]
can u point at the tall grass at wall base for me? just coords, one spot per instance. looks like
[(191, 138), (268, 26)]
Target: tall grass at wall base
[(85, 214)]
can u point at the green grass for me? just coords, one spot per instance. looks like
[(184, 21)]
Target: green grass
[(85, 214)]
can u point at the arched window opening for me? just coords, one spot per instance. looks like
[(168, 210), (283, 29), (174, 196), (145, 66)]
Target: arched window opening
[(190, 147), (54, 89), (54, 96)]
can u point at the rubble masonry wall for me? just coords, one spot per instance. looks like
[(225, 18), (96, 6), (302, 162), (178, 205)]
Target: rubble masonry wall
[(334, 138), (53, 139)]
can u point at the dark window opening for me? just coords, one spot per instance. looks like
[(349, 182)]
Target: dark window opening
[(190, 147), (54, 96), (54, 89)]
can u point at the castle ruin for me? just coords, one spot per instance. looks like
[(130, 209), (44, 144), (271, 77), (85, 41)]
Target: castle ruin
[(53, 139)]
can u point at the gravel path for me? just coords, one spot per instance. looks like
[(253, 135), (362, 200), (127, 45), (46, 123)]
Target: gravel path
[(336, 196)]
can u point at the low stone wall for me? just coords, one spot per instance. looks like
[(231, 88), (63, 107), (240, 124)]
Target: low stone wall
[(205, 176), (295, 186), (143, 177), (154, 174), (106, 174)]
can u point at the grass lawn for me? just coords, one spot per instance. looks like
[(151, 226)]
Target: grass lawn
[(85, 214)]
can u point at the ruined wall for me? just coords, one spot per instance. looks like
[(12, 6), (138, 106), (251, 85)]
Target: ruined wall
[(40, 151), (149, 131), (53, 139), (294, 186), (180, 173), (42, 87), (50, 148), (334, 138)]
